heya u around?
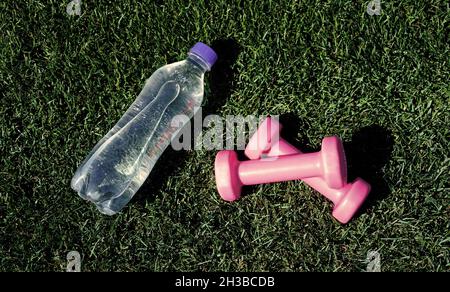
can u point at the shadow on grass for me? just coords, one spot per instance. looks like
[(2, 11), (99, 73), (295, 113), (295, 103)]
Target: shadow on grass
[(220, 84), (367, 153)]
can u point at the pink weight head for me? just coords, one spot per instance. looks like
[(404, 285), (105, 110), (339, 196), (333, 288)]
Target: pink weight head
[(334, 163), (352, 197), (267, 134), (227, 179)]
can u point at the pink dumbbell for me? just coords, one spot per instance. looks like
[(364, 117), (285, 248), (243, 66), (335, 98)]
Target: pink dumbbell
[(347, 200), (329, 163)]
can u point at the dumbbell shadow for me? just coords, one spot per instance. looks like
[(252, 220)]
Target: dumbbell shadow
[(368, 153)]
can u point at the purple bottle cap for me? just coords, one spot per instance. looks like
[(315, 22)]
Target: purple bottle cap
[(205, 53)]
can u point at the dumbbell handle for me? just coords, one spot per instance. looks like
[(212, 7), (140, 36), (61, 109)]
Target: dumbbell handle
[(282, 147), (285, 168)]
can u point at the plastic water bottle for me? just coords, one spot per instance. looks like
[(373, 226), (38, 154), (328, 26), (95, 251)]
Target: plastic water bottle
[(121, 161)]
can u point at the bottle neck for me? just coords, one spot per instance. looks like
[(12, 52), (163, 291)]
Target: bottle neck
[(198, 62)]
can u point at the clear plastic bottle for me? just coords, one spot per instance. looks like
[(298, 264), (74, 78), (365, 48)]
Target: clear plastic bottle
[(121, 161)]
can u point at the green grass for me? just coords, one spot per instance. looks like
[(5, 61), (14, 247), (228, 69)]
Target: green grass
[(379, 82)]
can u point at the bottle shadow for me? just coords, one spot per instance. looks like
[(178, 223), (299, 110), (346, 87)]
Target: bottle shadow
[(220, 81), (367, 154)]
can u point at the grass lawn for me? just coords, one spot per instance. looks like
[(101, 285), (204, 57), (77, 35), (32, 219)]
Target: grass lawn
[(380, 82)]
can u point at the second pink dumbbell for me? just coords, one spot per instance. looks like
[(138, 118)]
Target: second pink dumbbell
[(347, 200), (232, 174)]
